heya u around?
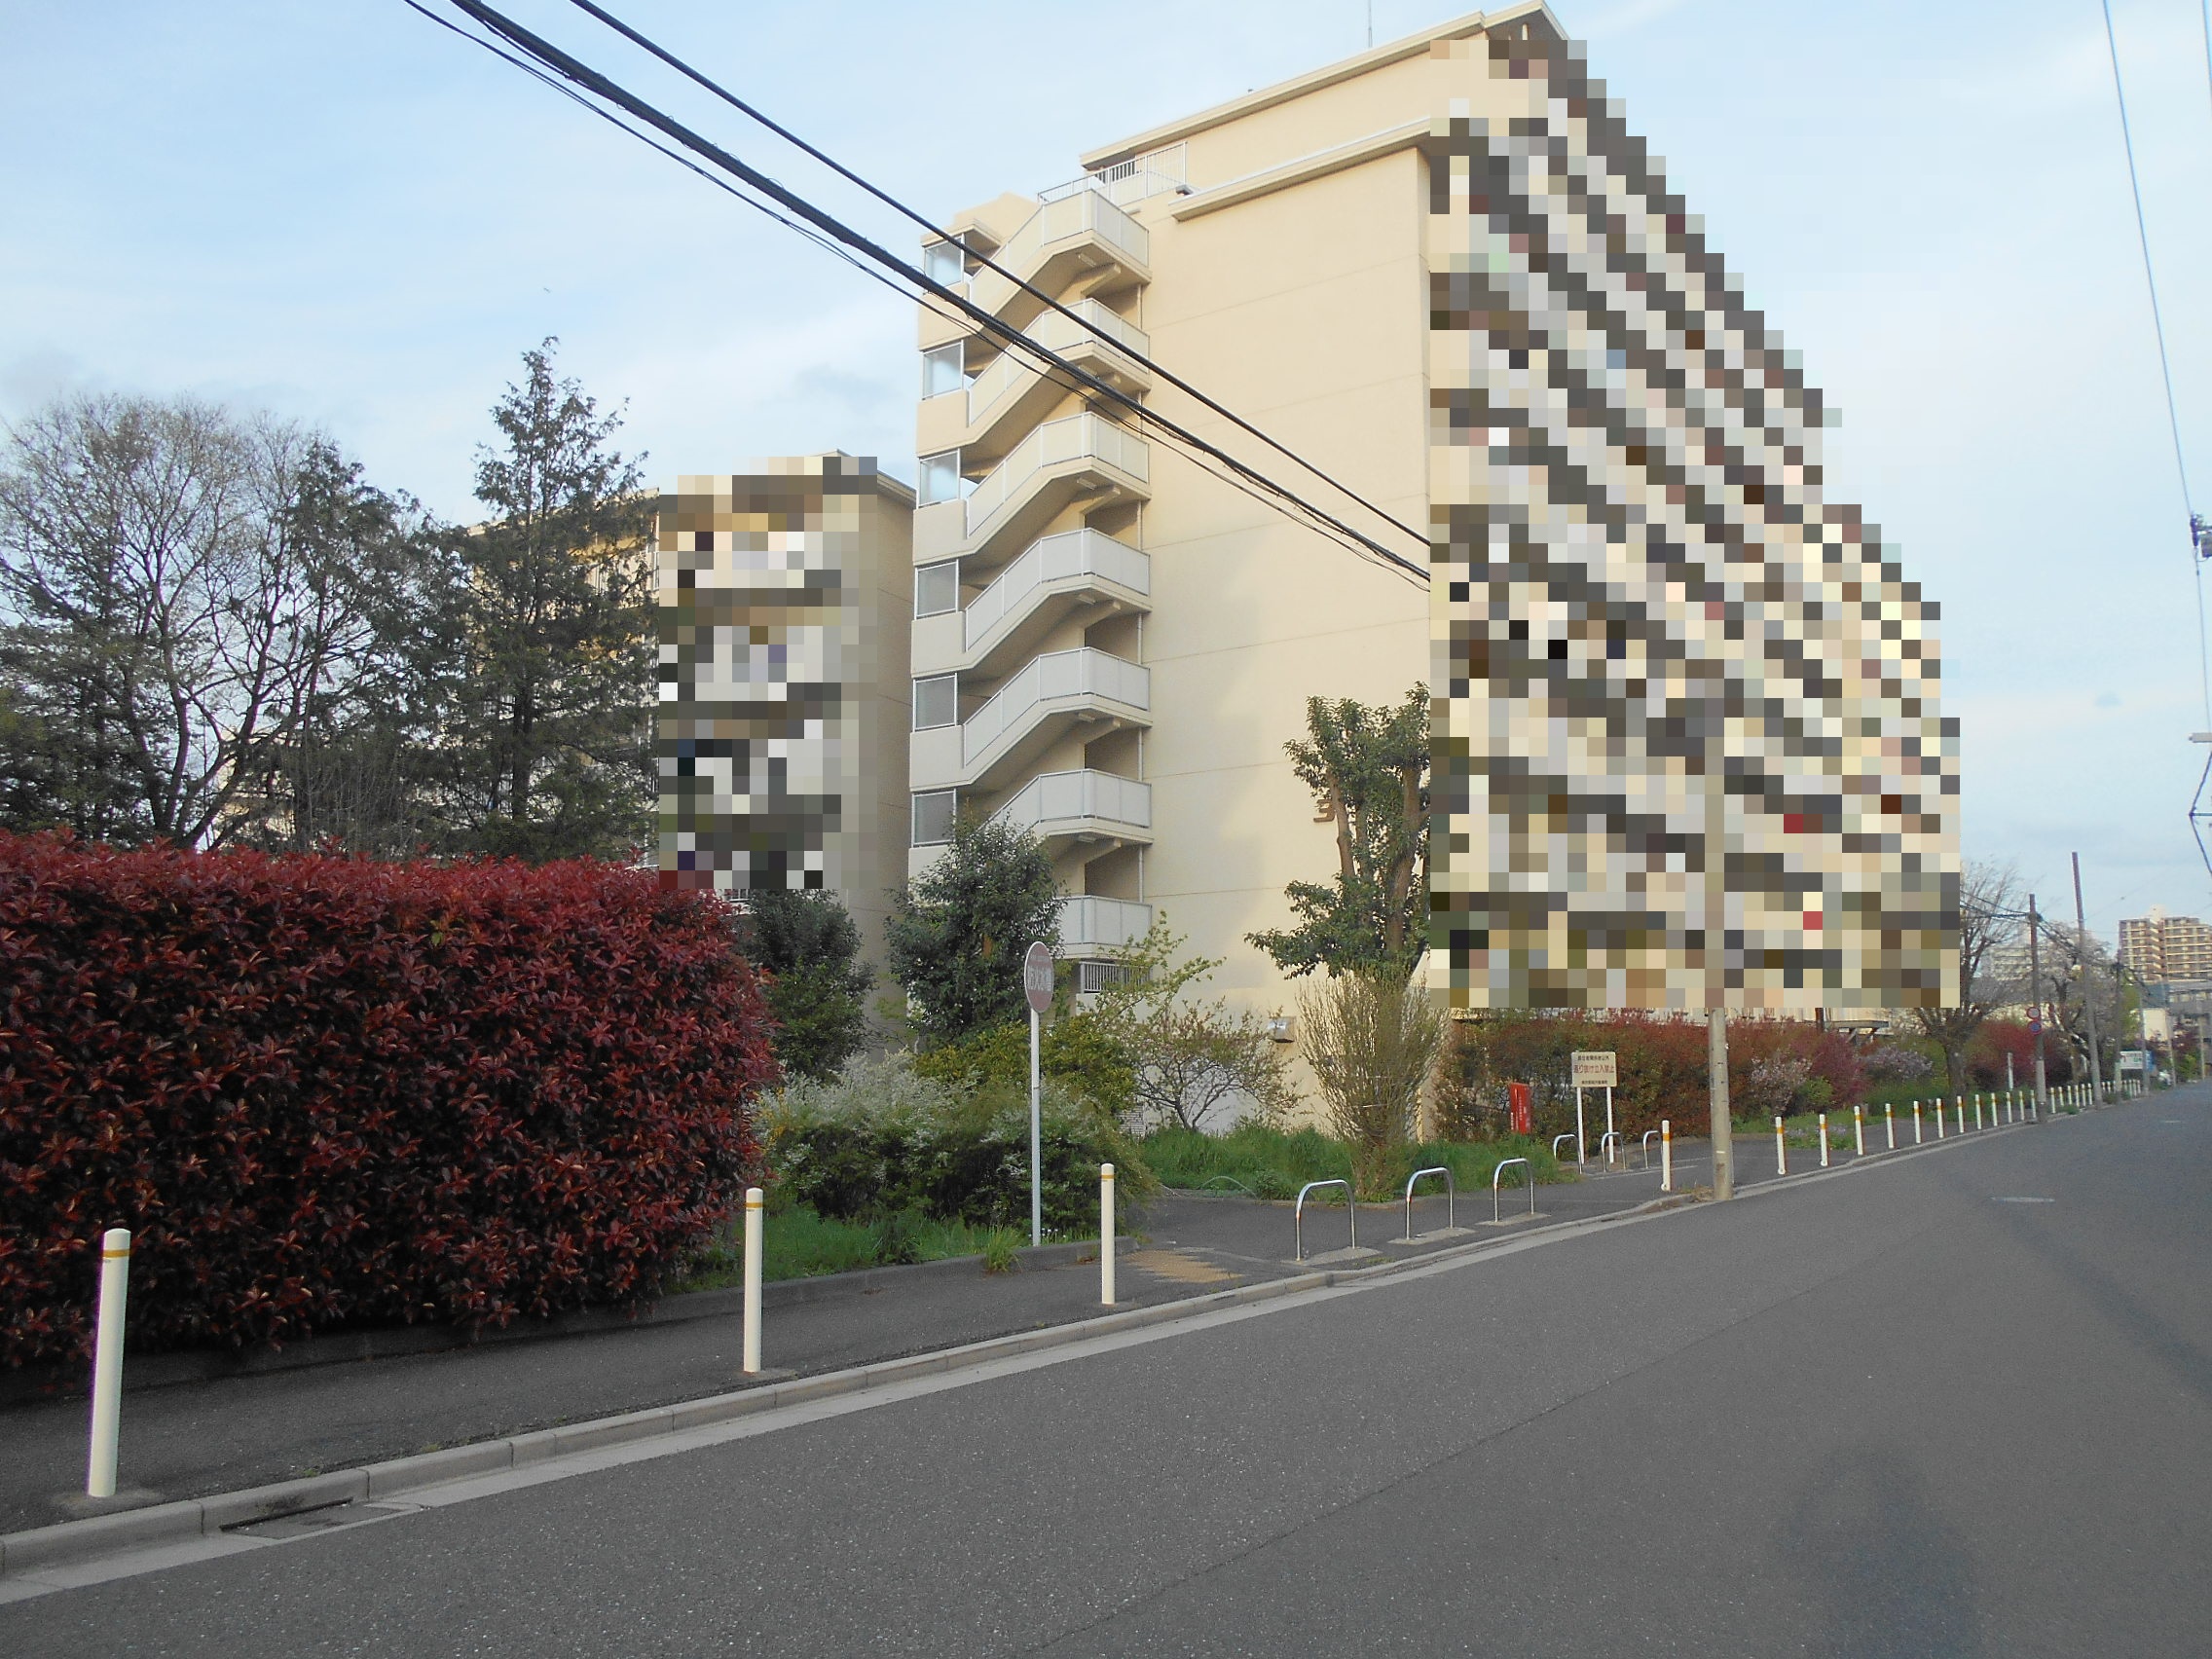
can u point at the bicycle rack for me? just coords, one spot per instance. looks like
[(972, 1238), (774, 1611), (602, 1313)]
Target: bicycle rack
[(1234, 1182), (1498, 1174), (1607, 1143), (1647, 1134), (1450, 1200), (1556, 1139), (1298, 1214)]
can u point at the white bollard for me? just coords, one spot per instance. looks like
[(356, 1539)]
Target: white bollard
[(1940, 1129), (1781, 1151), (1106, 1234), (1916, 1134), (107, 1362), (754, 1231), (1823, 1129), (1859, 1131), (1961, 1103), (1666, 1156), (1890, 1122), (1977, 1111)]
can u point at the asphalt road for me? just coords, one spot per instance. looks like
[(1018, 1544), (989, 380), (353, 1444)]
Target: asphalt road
[(1889, 1413)]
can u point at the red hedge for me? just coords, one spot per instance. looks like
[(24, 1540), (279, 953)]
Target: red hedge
[(323, 1090)]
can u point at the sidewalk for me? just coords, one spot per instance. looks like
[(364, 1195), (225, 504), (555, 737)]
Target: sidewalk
[(198, 1438)]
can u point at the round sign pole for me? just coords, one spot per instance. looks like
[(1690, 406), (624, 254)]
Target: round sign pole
[(1037, 986)]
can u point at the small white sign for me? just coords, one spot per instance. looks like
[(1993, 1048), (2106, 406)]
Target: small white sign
[(1595, 1068), (2135, 1059), (1036, 977)]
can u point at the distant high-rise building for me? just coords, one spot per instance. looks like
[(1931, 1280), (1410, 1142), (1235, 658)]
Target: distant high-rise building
[(1687, 741), (784, 598), (2159, 949)]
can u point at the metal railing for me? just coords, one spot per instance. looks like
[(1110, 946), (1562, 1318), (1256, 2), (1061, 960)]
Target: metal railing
[(1606, 1144), (1498, 1174), (1069, 556), (1084, 672), (1079, 796), (1072, 437), (1568, 1136), (1055, 332), (1647, 1137), (1450, 1200), (1084, 211), (1297, 1213)]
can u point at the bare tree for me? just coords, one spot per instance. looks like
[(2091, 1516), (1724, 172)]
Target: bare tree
[(172, 620), (1371, 1039), (1991, 911), (1192, 1057)]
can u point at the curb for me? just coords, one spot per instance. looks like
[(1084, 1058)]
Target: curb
[(71, 1541), (164, 1370)]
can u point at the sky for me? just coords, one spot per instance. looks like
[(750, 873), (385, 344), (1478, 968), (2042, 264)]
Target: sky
[(343, 214)]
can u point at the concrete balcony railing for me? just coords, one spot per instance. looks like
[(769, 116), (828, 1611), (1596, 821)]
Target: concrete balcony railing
[(1014, 394), (1058, 574), (1082, 806), (1062, 461), (1091, 926), (1082, 685), (1080, 236)]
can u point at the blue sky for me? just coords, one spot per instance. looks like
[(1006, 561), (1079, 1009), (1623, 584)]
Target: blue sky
[(343, 214)]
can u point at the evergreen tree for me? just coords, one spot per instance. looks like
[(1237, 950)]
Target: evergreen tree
[(544, 743), (958, 933), (807, 941)]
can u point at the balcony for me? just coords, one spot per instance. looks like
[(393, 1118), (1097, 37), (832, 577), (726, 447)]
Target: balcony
[(1013, 393), (1081, 236), (1091, 926), (1077, 572), (1092, 808), (1043, 701), (1081, 458)]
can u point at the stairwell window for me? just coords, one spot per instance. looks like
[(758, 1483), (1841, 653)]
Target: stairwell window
[(943, 370), (934, 815), (945, 262), (937, 701), (941, 478), (936, 589)]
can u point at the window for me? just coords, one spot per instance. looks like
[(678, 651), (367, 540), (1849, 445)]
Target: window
[(934, 814), (945, 262), (941, 478), (937, 701), (942, 371), (936, 589)]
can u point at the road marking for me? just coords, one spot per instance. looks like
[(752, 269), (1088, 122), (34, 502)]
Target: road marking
[(2023, 1201)]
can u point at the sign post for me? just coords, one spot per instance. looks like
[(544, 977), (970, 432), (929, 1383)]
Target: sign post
[(1037, 986), (1595, 1068)]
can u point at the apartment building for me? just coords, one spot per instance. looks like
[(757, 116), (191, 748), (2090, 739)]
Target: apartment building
[(785, 608), (2159, 949), (1688, 748)]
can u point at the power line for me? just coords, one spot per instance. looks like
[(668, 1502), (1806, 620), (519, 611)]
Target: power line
[(2196, 532), (897, 205), (581, 75)]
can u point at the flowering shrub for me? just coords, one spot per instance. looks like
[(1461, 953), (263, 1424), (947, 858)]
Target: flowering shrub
[(323, 1090)]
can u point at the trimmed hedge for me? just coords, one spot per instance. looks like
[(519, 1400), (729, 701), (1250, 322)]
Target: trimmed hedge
[(323, 1090)]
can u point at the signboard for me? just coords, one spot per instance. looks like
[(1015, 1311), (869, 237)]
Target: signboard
[(1595, 1068), (1518, 1098), (2135, 1059), (1036, 977)]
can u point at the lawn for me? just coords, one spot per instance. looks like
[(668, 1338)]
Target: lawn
[(1253, 1161), (798, 1243)]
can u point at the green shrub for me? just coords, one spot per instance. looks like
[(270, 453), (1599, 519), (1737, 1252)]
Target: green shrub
[(1002, 1250), (1076, 1052), (1273, 1163)]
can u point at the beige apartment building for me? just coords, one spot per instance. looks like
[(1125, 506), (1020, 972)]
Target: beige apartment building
[(785, 604), (1111, 644), (2159, 949)]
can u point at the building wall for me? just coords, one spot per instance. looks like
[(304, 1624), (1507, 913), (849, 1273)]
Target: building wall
[(1389, 265), (786, 603), (2160, 948)]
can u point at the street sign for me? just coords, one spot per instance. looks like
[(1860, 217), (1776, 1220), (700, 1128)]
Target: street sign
[(2135, 1059), (1595, 1068), (1036, 977)]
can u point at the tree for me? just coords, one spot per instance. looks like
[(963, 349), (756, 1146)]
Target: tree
[(957, 932), (1990, 905), (173, 617), (1189, 1057), (1368, 768), (1371, 1039), (543, 749), (809, 945), (2080, 974)]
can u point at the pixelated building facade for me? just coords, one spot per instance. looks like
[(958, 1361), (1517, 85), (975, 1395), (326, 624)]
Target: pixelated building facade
[(1688, 749), (784, 597)]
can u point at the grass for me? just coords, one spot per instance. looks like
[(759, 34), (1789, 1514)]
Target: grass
[(798, 1243), (1273, 1163)]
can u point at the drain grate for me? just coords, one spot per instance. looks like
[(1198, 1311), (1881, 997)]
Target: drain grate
[(322, 1518)]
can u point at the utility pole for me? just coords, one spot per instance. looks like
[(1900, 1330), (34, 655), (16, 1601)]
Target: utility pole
[(2035, 1017), (2089, 992), (1716, 1098)]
